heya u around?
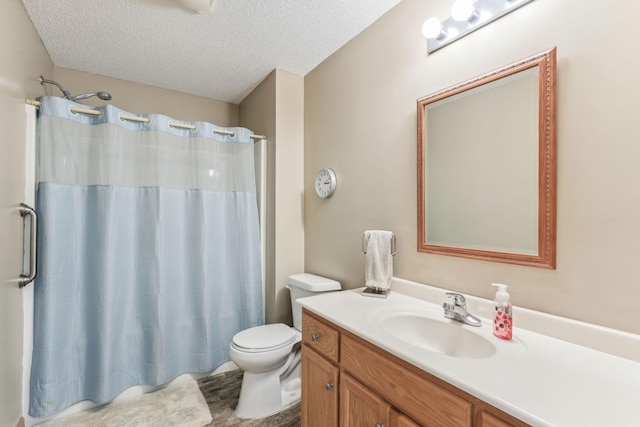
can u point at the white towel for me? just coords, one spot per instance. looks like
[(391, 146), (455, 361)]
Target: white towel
[(378, 268)]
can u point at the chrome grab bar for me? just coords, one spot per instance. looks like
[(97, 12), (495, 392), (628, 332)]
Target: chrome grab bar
[(25, 210)]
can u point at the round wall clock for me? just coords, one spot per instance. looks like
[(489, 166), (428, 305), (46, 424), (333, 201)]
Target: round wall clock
[(325, 183)]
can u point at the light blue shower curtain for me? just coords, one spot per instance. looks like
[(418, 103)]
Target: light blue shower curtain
[(148, 252)]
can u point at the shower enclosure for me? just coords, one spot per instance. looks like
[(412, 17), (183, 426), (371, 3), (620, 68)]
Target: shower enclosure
[(149, 251)]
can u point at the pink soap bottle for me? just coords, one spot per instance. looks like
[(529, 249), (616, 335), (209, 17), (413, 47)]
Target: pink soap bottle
[(502, 317)]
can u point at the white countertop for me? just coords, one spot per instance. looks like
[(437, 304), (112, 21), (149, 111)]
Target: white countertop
[(541, 380)]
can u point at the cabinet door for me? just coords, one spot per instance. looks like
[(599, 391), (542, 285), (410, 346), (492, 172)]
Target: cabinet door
[(360, 407), (319, 391)]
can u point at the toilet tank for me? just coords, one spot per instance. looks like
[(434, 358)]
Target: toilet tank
[(306, 285)]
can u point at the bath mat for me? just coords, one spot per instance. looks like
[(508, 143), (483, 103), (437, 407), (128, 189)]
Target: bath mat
[(181, 404)]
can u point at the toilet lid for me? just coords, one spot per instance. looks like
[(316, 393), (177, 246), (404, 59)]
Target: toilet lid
[(265, 337)]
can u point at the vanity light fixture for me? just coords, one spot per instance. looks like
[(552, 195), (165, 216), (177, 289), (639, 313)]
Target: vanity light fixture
[(466, 17)]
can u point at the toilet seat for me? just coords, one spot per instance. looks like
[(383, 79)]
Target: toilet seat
[(264, 338)]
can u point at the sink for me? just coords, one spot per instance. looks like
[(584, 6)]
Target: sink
[(428, 329)]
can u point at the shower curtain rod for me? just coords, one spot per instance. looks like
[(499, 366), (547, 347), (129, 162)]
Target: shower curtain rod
[(91, 112)]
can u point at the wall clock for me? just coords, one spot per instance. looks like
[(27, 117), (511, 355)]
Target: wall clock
[(325, 183)]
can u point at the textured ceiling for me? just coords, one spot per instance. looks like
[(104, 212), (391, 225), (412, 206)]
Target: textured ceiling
[(222, 55)]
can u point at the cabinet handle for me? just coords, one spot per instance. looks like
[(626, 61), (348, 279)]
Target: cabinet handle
[(379, 425), (315, 337), (329, 386)]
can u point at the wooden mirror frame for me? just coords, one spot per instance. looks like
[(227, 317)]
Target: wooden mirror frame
[(546, 257)]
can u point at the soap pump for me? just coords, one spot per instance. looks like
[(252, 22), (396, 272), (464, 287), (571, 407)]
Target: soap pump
[(502, 317)]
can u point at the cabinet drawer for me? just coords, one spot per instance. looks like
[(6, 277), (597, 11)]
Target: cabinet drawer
[(413, 394), (320, 336)]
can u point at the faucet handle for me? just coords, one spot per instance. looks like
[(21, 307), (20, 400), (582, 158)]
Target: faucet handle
[(458, 299)]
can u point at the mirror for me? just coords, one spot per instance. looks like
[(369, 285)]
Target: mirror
[(487, 166)]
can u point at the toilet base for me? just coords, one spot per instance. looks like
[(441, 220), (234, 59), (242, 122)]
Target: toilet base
[(262, 395), (291, 384)]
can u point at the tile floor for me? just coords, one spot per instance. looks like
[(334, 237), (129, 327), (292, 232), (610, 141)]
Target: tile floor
[(221, 393)]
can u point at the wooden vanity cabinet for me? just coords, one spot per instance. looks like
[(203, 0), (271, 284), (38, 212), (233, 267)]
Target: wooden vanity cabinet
[(350, 382)]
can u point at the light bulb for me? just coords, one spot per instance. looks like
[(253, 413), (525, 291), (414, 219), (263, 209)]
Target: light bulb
[(432, 29), (463, 10)]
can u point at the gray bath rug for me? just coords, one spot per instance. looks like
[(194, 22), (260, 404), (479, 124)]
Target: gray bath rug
[(180, 404)]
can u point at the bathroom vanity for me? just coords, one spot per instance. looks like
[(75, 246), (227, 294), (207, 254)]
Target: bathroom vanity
[(360, 367), (377, 388)]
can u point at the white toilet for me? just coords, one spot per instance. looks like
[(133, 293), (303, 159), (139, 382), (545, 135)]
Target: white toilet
[(269, 355)]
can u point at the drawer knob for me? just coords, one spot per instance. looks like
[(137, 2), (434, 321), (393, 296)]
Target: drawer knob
[(315, 337), (379, 425), (329, 386)]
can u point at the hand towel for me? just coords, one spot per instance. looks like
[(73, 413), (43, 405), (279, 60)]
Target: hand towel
[(379, 261)]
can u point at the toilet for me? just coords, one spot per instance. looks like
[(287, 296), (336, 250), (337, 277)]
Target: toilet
[(269, 355)]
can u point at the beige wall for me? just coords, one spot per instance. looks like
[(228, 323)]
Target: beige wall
[(138, 98), (289, 171), (360, 119), (276, 108), (23, 60), (257, 111)]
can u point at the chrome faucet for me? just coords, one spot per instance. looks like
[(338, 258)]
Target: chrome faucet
[(458, 310)]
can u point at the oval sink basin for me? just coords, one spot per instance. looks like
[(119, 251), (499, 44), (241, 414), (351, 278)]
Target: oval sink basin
[(430, 330)]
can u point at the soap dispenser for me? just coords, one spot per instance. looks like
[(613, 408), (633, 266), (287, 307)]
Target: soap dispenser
[(502, 317)]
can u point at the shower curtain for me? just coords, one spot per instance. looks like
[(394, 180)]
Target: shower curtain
[(148, 252)]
